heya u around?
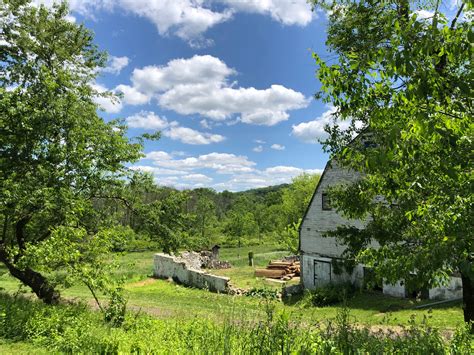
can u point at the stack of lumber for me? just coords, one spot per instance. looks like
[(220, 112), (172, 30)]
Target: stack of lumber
[(278, 269)]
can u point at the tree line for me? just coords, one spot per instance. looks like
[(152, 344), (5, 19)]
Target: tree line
[(157, 217)]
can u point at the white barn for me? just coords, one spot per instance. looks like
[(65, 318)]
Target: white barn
[(317, 253)]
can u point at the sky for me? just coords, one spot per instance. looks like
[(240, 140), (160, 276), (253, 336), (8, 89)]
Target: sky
[(229, 83)]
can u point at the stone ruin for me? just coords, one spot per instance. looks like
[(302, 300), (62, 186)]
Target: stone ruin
[(175, 268), (203, 260)]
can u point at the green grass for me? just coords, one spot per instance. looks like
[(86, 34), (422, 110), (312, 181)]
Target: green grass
[(165, 299), (20, 348), (242, 275)]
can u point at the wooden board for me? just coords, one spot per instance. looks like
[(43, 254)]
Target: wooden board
[(269, 273)]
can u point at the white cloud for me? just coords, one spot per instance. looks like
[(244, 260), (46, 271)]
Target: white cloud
[(108, 104), (294, 12), (147, 120), (116, 64), (261, 178), (201, 85), (197, 178), (132, 96), (217, 102), (311, 131), (205, 124), (191, 136), (424, 14), (277, 146), (259, 141), (190, 19), (194, 171), (258, 149), (150, 121), (195, 70), (187, 19), (157, 171), (222, 163)]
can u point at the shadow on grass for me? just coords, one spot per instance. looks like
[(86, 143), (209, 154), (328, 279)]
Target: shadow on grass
[(378, 302)]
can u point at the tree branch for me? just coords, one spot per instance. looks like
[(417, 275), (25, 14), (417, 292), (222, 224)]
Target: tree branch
[(453, 23)]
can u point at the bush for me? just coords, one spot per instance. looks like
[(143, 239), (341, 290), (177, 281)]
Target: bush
[(331, 294), (75, 329), (265, 293)]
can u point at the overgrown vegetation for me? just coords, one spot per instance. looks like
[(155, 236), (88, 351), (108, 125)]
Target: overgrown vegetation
[(330, 294), (75, 329)]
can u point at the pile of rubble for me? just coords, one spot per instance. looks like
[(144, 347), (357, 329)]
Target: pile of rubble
[(279, 269), (203, 260)]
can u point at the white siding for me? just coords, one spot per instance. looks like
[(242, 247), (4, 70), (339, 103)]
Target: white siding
[(315, 247), (315, 277), (317, 221)]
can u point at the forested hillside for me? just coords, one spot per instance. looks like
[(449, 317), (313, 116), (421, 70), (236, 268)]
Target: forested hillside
[(164, 218)]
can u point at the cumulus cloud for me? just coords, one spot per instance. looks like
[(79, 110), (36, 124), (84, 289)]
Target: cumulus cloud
[(131, 96), (277, 147), (197, 178), (200, 85), (190, 19), (157, 171), (424, 14), (191, 136), (116, 64), (150, 121), (261, 178), (187, 19), (222, 163), (106, 103), (199, 69), (295, 12), (312, 131), (258, 149), (239, 173), (147, 120)]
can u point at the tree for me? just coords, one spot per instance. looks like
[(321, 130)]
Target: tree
[(296, 197), (204, 209), (57, 154), (404, 85), (240, 221)]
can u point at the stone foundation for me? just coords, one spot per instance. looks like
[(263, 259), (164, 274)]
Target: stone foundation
[(168, 266)]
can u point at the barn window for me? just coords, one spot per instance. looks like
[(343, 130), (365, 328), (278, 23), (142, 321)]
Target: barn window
[(326, 202)]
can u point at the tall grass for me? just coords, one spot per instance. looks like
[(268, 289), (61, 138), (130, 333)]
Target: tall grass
[(76, 329)]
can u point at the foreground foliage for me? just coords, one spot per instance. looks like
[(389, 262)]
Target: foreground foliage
[(75, 329), (403, 83), (57, 154)]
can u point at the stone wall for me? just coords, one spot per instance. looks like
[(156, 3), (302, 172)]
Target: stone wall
[(168, 266)]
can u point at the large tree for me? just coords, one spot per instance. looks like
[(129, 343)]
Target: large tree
[(403, 78), (57, 154)]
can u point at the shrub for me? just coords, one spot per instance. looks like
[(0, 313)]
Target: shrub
[(75, 329), (331, 294), (265, 293)]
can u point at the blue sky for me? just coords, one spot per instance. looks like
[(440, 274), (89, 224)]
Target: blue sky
[(229, 83)]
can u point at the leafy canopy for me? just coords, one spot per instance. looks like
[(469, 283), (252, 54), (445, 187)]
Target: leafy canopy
[(404, 82), (57, 153)]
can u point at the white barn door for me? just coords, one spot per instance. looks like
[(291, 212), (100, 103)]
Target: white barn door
[(322, 273)]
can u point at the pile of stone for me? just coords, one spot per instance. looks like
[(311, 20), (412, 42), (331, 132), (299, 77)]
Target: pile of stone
[(203, 260), (279, 269)]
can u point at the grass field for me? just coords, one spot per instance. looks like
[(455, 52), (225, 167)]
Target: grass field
[(162, 298)]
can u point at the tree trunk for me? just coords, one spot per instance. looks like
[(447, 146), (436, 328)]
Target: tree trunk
[(468, 299), (37, 282)]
